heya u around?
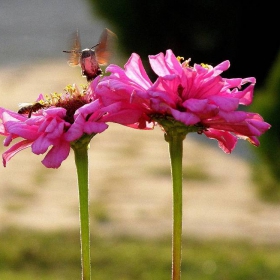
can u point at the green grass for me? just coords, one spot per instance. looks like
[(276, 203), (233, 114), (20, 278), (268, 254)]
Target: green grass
[(196, 173), (31, 255)]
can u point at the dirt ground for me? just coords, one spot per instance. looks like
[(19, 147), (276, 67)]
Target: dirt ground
[(130, 186)]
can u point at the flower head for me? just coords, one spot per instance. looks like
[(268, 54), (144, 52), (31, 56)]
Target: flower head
[(196, 96), (51, 127)]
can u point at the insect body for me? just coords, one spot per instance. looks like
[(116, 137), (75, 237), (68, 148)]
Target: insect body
[(29, 108), (91, 59)]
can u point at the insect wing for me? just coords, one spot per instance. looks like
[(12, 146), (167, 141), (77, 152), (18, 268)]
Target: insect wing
[(105, 47), (75, 53)]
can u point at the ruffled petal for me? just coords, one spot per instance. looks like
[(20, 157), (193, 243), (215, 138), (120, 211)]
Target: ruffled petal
[(14, 150), (57, 154), (226, 140), (185, 117), (135, 71)]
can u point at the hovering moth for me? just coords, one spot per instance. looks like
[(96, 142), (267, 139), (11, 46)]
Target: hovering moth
[(91, 59)]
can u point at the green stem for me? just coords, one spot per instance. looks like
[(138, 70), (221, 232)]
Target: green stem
[(176, 154), (81, 159)]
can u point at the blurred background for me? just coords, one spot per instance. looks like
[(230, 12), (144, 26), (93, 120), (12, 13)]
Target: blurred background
[(231, 202)]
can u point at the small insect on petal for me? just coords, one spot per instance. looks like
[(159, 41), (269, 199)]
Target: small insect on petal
[(29, 108)]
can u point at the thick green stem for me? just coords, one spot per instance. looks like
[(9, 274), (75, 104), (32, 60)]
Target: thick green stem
[(176, 155), (81, 159)]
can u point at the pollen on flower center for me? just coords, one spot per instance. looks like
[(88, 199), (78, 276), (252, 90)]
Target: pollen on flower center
[(206, 66), (71, 100), (71, 107)]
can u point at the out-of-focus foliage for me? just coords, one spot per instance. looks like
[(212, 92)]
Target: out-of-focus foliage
[(26, 255), (267, 103), (205, 31)]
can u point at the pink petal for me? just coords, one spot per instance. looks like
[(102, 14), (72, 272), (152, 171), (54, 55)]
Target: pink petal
[(226, 140), (41, 145), (164, 66), (195, 105), (259, 125), (201, 108), (254, 141), (14, 150), (173, 63), (233, 116), (223, 66), (56, 155), (121, 116), (76, 130), (95, 127), (225, 103), (158, 64), (185, 117), (22, 130), (245, 96), (135, 71)]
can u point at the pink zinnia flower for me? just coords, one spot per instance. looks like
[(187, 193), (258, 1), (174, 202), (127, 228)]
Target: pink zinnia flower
[(56, 122), (196, 96)]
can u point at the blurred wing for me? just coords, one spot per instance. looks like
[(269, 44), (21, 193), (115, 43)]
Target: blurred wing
[(105, 48), (22, 105), (75, 53)]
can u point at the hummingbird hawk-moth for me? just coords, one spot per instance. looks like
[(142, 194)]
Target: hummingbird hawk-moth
[(91, 59)]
